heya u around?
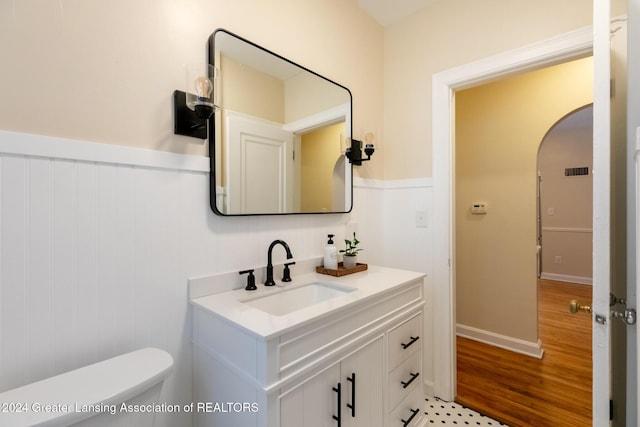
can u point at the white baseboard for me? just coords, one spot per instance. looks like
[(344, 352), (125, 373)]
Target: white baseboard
[(567, 278), (533, 349), (428, 388)]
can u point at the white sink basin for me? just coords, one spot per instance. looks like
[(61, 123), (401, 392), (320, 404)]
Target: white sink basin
[(290, 300)]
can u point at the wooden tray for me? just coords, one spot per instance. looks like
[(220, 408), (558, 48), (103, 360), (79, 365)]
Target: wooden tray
[(341, 271)]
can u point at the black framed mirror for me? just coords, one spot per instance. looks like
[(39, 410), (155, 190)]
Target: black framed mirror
[(277, 143)]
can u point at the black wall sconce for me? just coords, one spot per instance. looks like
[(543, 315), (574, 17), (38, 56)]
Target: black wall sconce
[(191, 111), (354, 153)]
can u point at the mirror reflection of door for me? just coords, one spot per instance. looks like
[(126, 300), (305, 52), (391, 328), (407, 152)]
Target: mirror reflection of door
[(272, 170), (261, 176)]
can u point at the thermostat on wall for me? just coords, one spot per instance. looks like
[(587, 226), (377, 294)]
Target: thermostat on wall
[(479, 208)]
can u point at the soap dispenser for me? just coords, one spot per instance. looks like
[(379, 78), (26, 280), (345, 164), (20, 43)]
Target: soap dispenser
[(330, 255)]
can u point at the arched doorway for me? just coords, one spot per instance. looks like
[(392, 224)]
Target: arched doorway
[(565, 199)]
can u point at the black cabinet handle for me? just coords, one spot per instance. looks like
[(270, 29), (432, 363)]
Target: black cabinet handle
[(413, 377), (414, 412), (407, 345), (338, 418), (352, 405)]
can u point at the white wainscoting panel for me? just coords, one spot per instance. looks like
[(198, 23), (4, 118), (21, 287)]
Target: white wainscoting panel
[(367, 212), (97, 244), (386, 216)]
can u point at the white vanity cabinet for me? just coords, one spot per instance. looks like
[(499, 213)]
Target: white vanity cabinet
[(346, 394), (354, 361)]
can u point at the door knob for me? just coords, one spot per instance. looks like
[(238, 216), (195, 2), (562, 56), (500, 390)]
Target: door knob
[(575, 306)]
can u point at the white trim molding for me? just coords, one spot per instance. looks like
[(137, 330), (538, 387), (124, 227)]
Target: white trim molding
[(42, 146), (533, 349), (338, 114), (394, 184)]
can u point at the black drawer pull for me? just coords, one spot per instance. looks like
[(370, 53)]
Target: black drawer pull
[(413, 377), (352, 405), (407, 345), (414, 412), (338, 418)]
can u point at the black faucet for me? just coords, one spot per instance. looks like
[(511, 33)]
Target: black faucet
[(269, 281)]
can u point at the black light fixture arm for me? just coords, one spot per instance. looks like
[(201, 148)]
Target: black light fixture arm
[(354, 153)]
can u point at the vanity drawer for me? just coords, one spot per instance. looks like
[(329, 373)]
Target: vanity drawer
[(405, 378), (300, 347), (410, 411), (404, 341)]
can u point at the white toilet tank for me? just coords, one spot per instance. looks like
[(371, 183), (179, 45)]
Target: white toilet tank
[(122, 391)]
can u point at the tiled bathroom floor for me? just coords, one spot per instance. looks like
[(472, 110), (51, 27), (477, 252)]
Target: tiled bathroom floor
[(444, 413)]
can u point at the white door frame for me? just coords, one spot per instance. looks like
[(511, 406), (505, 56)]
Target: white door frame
[(573, 45)]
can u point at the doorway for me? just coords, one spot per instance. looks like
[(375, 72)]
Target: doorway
[(552, 51), (565, 200), (498, 128), (570, 46)]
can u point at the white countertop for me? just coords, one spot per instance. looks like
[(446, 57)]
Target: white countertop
[(369, 283)]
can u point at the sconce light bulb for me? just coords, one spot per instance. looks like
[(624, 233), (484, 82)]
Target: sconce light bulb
[(203, 87), (201, 101), (369, 137)]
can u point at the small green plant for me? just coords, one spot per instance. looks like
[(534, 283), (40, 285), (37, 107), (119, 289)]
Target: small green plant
[(352, 249)]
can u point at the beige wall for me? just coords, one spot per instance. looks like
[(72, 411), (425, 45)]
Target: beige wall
[(445, 35), (247, 90), (499, 127), (306, 95), (105, 71)]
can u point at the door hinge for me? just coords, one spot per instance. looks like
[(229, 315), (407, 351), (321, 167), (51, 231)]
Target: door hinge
[(612, 88)]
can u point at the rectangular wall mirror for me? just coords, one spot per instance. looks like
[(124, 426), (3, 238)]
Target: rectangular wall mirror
[(277, 143)]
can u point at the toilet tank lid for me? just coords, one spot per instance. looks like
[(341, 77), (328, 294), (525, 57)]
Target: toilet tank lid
[(92, 387)]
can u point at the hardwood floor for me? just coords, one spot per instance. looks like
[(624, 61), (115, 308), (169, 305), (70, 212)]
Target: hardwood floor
[(521, 390)]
